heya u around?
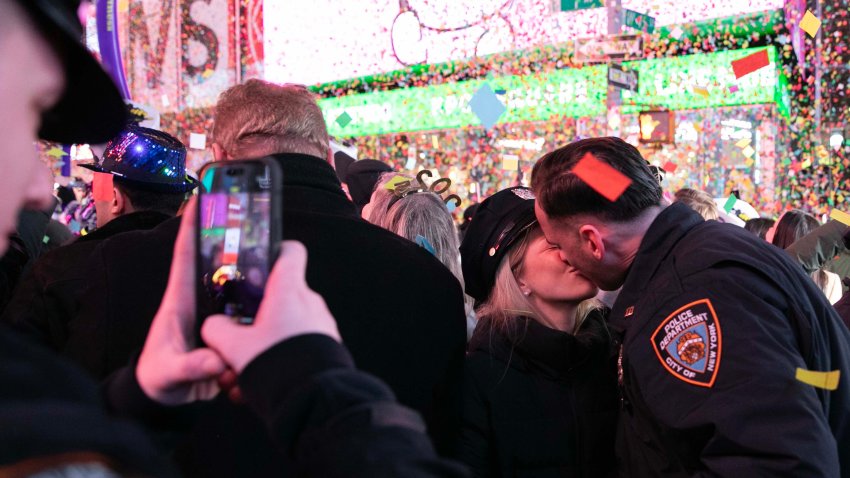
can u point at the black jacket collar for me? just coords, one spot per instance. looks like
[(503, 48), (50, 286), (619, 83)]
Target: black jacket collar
[(671, 225), (128, 222), (310, 184), (546, 351)]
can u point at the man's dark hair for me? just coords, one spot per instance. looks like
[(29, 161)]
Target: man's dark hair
[(146, 200), (561, 193)]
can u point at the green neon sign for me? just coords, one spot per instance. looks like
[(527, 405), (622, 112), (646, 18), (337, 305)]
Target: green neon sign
[(571, 92), (671, 82)]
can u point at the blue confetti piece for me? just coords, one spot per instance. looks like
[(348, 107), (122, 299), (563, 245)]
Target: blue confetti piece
[(451, 206), (501, 92), (423, 243), (486, 106)]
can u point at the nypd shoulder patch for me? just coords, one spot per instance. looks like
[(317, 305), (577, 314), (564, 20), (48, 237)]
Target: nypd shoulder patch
[(688, 343)]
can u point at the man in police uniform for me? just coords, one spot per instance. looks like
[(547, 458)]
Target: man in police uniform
[(718, 331)]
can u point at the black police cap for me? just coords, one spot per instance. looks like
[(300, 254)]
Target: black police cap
[(498, 223)]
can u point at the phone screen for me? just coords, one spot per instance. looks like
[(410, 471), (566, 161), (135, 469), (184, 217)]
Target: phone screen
[(235, 237)]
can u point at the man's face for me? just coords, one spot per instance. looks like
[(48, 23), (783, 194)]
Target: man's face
[(31, 81), (584, 251)]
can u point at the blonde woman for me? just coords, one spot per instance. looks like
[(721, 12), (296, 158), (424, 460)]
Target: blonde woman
[(540, 387)]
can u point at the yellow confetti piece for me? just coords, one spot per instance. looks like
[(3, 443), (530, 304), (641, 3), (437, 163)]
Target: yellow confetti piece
[(806, 164), (743, 143), (810, 23), (748, 151), (702, 91), (824, 380), (391, 185), (56, 153), (840, 216), (510, 164), (434, 142)]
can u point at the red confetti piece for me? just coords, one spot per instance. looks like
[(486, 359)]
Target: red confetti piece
[(102, 187), (669, 167), (604, 179), (750, 63)]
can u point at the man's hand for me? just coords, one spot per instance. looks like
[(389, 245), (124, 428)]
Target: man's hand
[(170, 370), (289, 308)]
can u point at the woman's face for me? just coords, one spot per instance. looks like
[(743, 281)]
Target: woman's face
[(549, 278)]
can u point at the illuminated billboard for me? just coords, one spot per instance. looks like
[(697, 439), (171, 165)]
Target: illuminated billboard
[(327, 40), (571, 92)]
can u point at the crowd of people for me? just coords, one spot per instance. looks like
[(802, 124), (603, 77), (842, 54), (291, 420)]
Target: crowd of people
[(556, 332)]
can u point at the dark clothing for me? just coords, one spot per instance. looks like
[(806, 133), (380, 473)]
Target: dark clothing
[(48, 297), (540, 402), (49, 407), (127, 275), (399, 311), (325, 418), (714, 324), (25, 246), (818, 248), (843, 305)]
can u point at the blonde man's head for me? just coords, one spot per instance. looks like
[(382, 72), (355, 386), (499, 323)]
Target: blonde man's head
[(699, 201), (259, 118)]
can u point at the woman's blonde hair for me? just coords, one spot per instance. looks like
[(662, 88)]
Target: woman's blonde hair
[(507, 301)]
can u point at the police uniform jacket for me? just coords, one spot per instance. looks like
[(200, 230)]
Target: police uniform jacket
[(715, 328)]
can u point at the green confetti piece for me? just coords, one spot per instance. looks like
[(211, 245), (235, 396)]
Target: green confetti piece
[(343, 119), (730, 203)]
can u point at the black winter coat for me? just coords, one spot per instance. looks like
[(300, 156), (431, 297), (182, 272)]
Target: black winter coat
[(47, 298), (539, 402), (398, 309)]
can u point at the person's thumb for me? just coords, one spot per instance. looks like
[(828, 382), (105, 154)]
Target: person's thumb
[(200, 364), (291, 266), (236, 344)]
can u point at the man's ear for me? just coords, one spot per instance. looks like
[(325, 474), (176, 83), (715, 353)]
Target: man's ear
[(591, 241), (219, 153), (120, 204)]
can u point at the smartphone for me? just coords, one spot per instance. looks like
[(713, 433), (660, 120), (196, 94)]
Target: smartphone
[(238, 236)]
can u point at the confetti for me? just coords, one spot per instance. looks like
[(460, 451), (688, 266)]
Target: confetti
[(677, 33), (56, 153), (670, 167), (748, 151), (701, 90), (604, 179), (423, 242), (824, 380), (750, 63), (810, 23), (510, 164), (102, 187), (197, 141), (840, 216), (733, 89), (487, 106), (730, 203), (410, 164), (343, 119), (392, 183), (743, 142)]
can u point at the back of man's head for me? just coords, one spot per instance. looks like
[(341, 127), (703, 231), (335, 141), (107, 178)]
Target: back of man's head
[(259, 118), (147, 200), (562, 194)]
